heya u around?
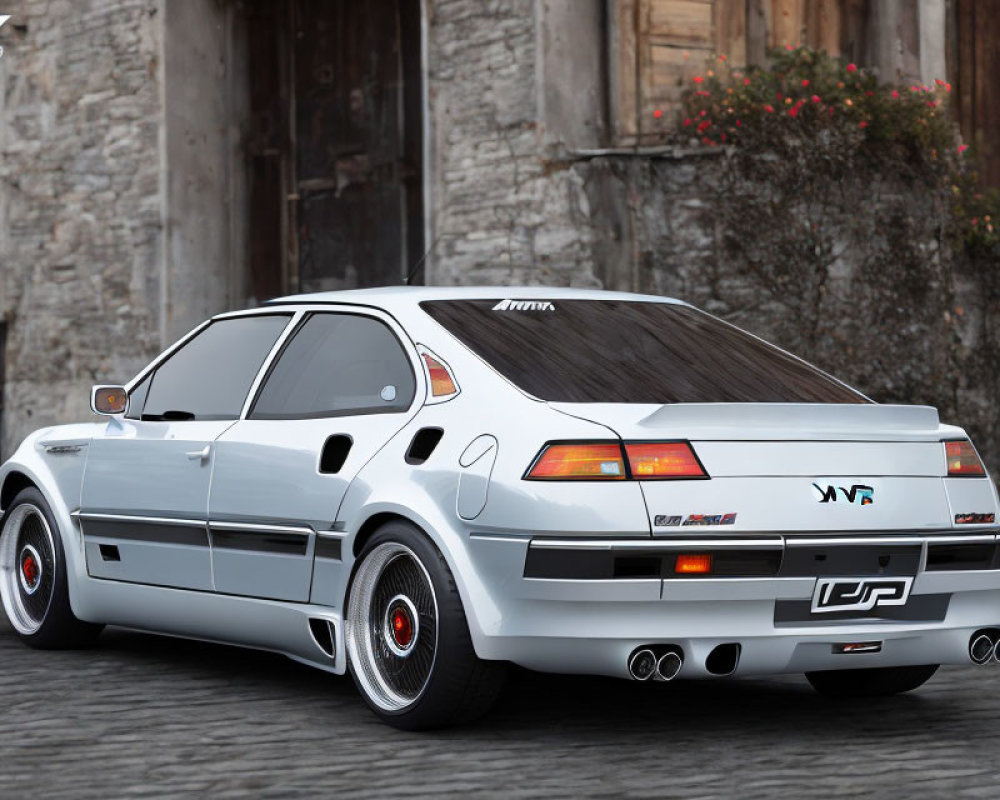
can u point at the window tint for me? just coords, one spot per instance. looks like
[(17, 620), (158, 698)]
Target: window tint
[(209, 377), (337, 364), (611, 351)]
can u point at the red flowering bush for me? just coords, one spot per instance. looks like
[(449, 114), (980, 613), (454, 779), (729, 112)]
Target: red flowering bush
[(805, 93), (813, 112)]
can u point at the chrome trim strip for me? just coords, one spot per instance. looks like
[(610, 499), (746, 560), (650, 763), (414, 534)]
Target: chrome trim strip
[(655, 544), (294, 530), (617, 583), (290, 530), (758, 543), (491, 537), (904, 540), (875, 535), (985, 538), (97, 517)]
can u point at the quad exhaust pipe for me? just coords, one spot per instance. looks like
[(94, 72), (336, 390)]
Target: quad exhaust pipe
[(654, 663), (668, 666), (981, 648), (642, 664), (984, 646)]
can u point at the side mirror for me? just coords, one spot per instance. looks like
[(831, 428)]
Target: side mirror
[(108, 400)]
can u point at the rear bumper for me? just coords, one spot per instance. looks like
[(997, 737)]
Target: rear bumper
[(592, 625)]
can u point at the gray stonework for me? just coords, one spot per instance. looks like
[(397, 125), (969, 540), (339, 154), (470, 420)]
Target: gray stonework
[(80, 211), (122, 209)]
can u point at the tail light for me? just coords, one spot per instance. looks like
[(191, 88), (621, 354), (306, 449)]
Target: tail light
[(442, 384), (651, 460), (579, 461), (963, 460), (638, 461)]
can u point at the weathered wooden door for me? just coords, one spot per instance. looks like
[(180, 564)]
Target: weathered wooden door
[(336, 143), (974, 62)]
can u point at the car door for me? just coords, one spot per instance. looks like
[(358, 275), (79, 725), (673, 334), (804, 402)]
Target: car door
[(144, 504), (341, 387)]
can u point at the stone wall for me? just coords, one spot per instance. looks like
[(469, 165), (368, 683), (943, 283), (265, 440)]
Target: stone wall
[(80, 211), (503, 211)]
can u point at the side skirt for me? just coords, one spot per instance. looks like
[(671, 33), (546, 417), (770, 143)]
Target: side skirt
[(273, 625)]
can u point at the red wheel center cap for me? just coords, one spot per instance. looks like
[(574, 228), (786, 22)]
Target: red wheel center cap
[(402, 627), (29, 567)]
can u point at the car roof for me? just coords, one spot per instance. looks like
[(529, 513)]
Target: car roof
[(404, 297)]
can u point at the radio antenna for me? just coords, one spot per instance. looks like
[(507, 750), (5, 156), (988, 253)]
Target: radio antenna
[(420, 263)]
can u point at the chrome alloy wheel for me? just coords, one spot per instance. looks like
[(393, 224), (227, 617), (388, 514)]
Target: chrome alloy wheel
[(27, 567), (391, 626)]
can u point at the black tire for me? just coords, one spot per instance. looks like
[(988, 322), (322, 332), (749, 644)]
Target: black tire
[(33, 577), (873, 682), (429, 676)]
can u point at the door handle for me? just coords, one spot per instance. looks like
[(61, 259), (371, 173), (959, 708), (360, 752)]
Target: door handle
[(200, 455)]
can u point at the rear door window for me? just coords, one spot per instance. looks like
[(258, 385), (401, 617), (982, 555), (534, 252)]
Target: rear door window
[(337, 365), (210, 376), (612, 351)]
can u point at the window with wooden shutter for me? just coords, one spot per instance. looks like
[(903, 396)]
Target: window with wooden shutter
[(658, 46), (974, 62)]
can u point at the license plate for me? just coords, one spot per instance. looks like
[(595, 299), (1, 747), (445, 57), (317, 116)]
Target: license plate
[(859, 594)]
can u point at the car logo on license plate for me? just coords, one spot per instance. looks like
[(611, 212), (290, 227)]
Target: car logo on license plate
[(859, 594)]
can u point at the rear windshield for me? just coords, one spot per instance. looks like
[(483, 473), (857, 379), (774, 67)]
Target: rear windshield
[(612, 351)]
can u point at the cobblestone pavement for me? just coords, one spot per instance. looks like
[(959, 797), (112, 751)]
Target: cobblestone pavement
[(142, 715)]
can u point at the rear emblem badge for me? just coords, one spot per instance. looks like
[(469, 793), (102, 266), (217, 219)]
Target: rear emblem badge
[(859, 594), (858, 494), (975, 519), (665, 521)]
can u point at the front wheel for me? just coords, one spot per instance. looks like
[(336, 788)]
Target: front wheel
[(33, 577), (872, 682), (408, 642)]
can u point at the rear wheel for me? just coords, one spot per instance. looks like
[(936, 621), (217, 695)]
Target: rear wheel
[(408, 642), (873, 682), (33, 577)]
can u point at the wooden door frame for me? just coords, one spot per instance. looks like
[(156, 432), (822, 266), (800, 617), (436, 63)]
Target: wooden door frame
[(290, 245)]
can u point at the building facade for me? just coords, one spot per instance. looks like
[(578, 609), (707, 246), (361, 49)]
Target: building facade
[(165, 160)]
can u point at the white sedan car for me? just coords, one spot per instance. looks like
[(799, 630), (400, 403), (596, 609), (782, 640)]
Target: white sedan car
[(420, 485)]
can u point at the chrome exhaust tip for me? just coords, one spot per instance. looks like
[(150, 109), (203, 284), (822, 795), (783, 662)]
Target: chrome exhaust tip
[(996, 651), (982, 648), (668, 666), (642, 664)]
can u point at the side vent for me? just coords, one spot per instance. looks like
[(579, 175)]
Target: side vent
[(322, 633), (109, 552), (335, 453), (423, 444)]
